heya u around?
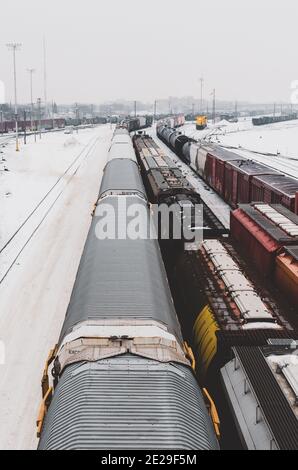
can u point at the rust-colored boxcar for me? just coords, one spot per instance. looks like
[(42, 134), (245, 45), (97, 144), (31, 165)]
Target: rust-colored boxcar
[(216, 163), (275, 189), (238, 179), (261, 235), (286, 273)]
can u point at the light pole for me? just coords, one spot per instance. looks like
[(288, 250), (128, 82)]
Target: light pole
[(14, 47), (155, 109), (1, 115), (31, 72), (201, 100), (213, 106), (135, 108), (39, 116)]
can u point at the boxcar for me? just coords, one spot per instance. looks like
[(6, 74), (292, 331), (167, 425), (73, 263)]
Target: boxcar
[(216, 163), (238, 178), (262, 231), (275, 189)]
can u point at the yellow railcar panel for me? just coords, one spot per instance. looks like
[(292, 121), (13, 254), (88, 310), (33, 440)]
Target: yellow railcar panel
[(204, 331)]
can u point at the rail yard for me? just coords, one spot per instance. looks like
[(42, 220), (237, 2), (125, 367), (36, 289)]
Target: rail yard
[(148, 230), (174, 313)]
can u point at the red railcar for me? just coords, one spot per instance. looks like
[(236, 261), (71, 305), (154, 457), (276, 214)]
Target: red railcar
[(275, 189), (263, 231), (9, 126), (215, 168), (238, 179)]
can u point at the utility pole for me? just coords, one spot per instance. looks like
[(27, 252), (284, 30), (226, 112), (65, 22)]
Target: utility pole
[(25, 127), (274, 109), (1, 116), (213, 106), (236, 109), (135, 108), (45, 77), (193, 110), (154, 112), (15, 47), (77, 116), (31, 72), (39, 116), (201, 100)]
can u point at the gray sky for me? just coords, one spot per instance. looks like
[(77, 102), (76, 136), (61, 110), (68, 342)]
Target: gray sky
[(145, 49)]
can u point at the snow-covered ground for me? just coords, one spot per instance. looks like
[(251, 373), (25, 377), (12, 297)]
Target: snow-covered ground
[(274, 144), (35, 293)]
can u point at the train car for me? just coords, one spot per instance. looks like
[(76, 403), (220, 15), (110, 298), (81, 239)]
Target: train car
[(223, 307), (138, 123), (122, 374), (260, 384), (262, 231), (165, 133), (201, 123), (261, 121), (238, 177), (286, 273), (47, 124), (238, 180), (177, 142), (275, 188), (172, 121), (208, 161), (198, 159), (217, 158), (165, 183)]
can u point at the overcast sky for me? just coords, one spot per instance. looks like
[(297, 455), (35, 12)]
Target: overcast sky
[(99, 50)]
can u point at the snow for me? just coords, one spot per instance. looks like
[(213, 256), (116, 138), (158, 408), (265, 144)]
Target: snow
[(35, 294), (275, 145)]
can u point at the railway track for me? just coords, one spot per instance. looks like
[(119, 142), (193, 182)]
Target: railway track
[(212, 200), (17, 242)]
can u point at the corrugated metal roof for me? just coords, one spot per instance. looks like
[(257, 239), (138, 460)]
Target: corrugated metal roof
[(280, 183), (128, 403), (269, 227), (250, 305), (121, 278), (222, 154), (251, 167), (121, 139), (122, 176), (278, 219), (286, 212), (122, 151), (170, 178), (121, 131), (273, 402), (293, 251)]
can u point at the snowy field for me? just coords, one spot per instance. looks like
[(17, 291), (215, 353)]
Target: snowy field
[(274, 144), (55, 183)]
